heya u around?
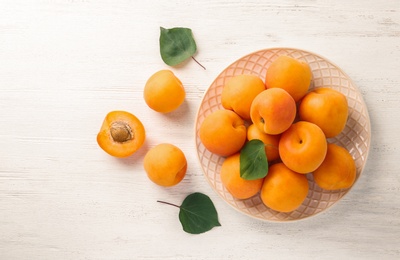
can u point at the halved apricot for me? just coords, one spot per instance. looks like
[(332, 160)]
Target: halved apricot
[(121, 134)]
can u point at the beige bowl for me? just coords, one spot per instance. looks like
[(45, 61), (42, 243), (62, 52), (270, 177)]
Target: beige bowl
[(355, 137)]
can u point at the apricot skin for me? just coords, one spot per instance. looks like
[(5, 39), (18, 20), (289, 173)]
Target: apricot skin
[(165, 165), (332, 110), (290, 74), (273, 111), (271, 142), (239, 92), (303, 147), (337, 171), (236, 185), (223, 132), (284, 190), (164, 92)]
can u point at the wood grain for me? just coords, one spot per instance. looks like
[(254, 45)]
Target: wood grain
[(65, 63)]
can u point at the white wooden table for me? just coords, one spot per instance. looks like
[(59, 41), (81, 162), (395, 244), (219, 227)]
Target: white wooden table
[(64, 64)]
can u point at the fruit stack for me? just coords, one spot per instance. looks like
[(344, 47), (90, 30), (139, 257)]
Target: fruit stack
[(294, 124)]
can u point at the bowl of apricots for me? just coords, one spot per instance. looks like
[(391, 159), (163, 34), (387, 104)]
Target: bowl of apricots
[(312, 124)]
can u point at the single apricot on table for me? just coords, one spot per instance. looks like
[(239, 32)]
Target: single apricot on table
[(165, 164), (271, 141), (332, 110), (283, 190), (164, 92), (239, 91), (337, 171), (223, 132), (121, 134), (290, 74), (273, 111), (303, 147), (237, 186)]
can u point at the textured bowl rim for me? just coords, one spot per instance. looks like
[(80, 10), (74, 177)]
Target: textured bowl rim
[(368, 127)]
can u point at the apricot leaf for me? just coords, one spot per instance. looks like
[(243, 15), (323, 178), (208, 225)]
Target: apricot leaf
[(253, 160), (197, 213), (177, 45)]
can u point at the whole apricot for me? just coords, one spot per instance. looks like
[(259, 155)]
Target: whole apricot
[(271, 141), (337, 171), (121, 134), (165, 164), (273, 111), (283, 189), (332, 110), (290, 74), (223, 132), (303, 147), (238, 93), (164, 92), (237, 186)]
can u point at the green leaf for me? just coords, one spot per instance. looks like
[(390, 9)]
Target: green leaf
[(253, 160), (197, 213), (177, 45)]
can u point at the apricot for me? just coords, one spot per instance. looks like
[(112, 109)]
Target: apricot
[(273, 111), (165, 164), (332, 110), (337, 171), (223, 132), (290, 74), (237, 186), (283, 189), (271, 141), (238, 93), (164, 92), (121, 134), (303, 147)]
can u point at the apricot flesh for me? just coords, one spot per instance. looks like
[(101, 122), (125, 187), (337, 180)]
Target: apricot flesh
[(121, 134)]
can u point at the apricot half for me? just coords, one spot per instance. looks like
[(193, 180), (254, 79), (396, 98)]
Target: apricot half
[(121, 134)]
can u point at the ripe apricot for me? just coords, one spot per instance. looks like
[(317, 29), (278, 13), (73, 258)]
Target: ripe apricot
[(165, 164), (223, 132), (271, 141), (337, 171), (303, 147), (238, 93), (273, 111), (121, 134), (332, 110), (290, 74), (283, 189), (164, 92), (237, 186)]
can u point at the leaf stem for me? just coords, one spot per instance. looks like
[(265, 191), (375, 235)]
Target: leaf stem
[(164, 202), (198, 63)]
